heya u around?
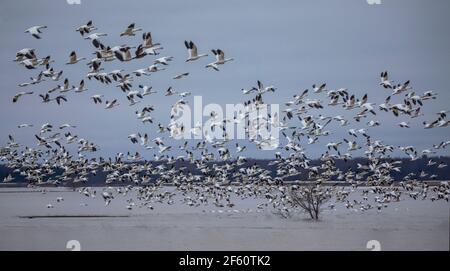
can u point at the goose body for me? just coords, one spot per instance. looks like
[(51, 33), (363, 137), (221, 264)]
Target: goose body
[(35, 30), (193, 52), (130, 30), (73, 58)]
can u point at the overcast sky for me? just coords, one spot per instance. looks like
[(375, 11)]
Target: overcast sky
[(289, 44)]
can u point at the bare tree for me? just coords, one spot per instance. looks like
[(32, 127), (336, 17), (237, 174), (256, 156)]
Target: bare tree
[(309, 198)]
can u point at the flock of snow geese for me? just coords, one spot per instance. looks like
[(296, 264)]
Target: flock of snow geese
[(209, 172)]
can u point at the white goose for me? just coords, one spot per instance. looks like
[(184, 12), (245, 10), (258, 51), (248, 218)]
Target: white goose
[(192, 49), (95, 37), (86, 28), (147, 90), (111, 104), (154, 68), (404, 124), (97, 98), (73, 58), (385, 80), (81, 87), (24, 125), (181, 75), (220, 59), (66, 125), (122, 53), (130, 31), (36, 80), (164, 60), (20, 94), (319, 89), (401, 88), (64, 88), (148, 42), (35, 30), (140, 72)]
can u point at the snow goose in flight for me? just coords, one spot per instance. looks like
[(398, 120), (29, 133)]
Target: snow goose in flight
[(56, 76), (107, 197), (368, 107), (36, 80), (8, 178), (73, 58), (352, 145), (111, 104), (35, 30), (184, 94), (148, 42), (404, 124), (46, 61), (164, 60), (181, 75), (45, 97), (319, 89), (261, 89), (59, 99), (131, 98), (384, 80), (122, 53), (240, 148), (141, 52), (334, 101), (25, 53), (373, 123), (42, 142), (350, 103), (29, 63), (147, 90), (213, 65), (86, 28), (352, 132), (130, 31), (416, 99), (192, 49), (220, 59), (333, 145), (97, 98), (220, 55), (385, 106), (66, 125), (81, 87), (64, 88), (341, 119), (140, 72), (20, 94), (116, 74), (443, 123), (428, 95), (442, 114), (106, 53), (24, 125), (170, 91), (95, 38), (401, 88), (248, 91), (134, 138)]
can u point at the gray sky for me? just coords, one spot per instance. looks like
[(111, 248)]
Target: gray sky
[(290, 44)]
